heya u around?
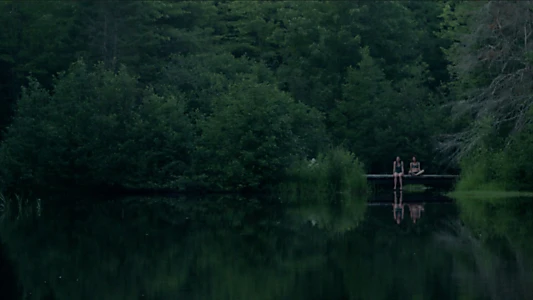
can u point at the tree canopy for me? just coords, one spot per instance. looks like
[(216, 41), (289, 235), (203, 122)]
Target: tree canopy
[(228, 94)]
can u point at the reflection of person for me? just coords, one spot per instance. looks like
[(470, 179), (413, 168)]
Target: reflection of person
[(398, 208), (397, 171), (414, 167), (415, 210)]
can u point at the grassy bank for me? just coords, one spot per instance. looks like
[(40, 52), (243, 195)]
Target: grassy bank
[(488, 194), (498, 168)]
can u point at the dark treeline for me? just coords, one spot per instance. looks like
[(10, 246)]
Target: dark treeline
[(227, 95)]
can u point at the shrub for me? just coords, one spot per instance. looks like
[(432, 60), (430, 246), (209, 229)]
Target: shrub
[(335, 175), (254, 133), (96, 128)]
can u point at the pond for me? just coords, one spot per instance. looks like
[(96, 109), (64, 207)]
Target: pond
[(243, 247)]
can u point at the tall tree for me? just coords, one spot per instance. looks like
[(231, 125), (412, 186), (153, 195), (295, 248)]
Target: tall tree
[(379, 119), (141, 34), (36, 39), (491, 63)]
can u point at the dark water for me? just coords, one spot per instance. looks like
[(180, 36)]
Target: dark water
[(251, 248)]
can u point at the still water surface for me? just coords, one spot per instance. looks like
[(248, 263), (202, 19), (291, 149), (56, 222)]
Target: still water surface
[(230, 247)]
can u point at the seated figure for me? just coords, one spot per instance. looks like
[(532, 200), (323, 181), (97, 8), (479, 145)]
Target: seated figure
[(414, 168), (397, 171)]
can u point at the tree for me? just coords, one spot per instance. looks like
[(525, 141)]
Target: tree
[(36, 39), (491, 64), (379, 119), (253, 135), (97, 128)]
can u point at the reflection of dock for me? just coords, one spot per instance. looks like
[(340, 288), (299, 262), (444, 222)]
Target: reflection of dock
[(438, 181), (408, 198), (390, 202)]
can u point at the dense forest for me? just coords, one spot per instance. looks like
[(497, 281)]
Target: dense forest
[(230, 95)]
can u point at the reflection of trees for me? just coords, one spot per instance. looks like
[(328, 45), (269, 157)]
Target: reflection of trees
[(483, 269), (492, 249), (213, 249), (78, 255), (333, 211), (384, 261), (115, 251), (241, 248), (333, 218)]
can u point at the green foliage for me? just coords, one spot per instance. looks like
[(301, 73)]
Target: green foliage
[(253, 134), (491, 99), (251, 87), (96, 128), (141, 35), (35, 40), (378, 119), (201, 78), (333, 176), (481, 170), (496, 167)]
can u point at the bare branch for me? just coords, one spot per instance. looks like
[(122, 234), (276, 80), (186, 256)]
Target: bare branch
[(497, 46)]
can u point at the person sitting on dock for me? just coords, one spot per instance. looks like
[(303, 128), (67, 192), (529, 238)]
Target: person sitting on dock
[(414, 168), (397, 171)]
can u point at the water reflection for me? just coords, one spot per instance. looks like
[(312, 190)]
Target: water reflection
[(253, 248), (489, 272), (332, 218), (398, 208), (415, 211), (493, 253)]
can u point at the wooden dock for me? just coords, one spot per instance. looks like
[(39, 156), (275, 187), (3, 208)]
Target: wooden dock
[(424, 179)]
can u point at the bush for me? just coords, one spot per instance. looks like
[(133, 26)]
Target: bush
[(254, 133), (506, 168), (481, 170), (501, 161), (334, 176), (96, 128)]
